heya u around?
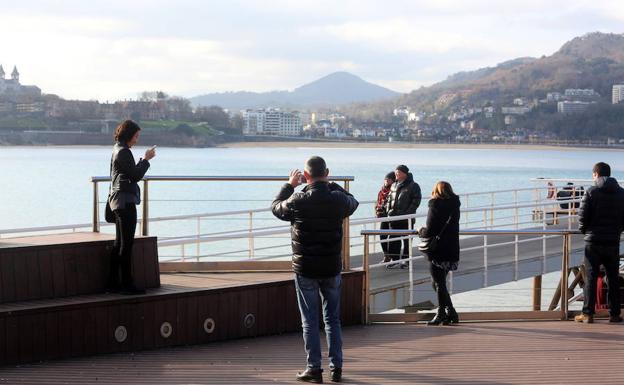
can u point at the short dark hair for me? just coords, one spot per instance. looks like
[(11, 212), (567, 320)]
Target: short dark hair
[(125, 131), (602, 169), (316, 167)]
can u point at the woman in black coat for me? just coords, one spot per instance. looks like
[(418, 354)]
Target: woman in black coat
[(443, 208), (123, 197)]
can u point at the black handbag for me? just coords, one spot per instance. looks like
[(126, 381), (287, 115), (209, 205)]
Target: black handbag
[(430, 244), (108, 213)]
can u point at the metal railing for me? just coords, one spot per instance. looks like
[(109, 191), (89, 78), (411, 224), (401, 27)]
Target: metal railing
[(145, 218), (565, 260)]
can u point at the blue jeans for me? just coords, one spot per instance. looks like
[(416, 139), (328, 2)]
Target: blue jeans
[(308, 298)]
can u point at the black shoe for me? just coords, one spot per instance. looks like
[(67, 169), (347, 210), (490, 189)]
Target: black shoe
[(452, 315), (405, 265), (110, 289), (336, 374), (615, 319), (440, 318), (314, 375), (131, 290)]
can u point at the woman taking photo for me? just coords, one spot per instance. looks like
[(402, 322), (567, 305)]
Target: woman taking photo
[(123, 197), (443, 222)]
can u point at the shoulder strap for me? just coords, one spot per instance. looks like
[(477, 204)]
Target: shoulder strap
[(445, 225)]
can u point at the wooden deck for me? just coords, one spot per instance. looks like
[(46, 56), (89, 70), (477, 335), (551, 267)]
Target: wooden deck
[(470, 353)]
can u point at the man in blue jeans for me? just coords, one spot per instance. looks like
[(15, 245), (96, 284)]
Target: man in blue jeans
[(316, 215)]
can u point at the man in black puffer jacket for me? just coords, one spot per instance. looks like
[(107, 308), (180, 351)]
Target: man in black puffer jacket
[(601, 219), (404, 198), (316, 215)]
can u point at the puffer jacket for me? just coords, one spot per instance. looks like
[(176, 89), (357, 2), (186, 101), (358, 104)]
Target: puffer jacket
[(601, 216), (315, 214), (125, 174), (439, 212), (404, 197)]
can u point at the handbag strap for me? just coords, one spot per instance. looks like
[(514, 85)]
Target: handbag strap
[(445, 225)]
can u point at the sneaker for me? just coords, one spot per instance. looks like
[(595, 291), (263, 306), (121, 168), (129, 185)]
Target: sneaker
[(392, 266), (584, 318), (615, 319), (336, 374), (405, 265), (313, 375)]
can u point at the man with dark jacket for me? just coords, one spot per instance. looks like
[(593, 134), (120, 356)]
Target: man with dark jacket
[(316, 215), (404, 198), (601, 219)]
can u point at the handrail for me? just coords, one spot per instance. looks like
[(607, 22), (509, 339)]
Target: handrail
[(565, 260), (220, 178)]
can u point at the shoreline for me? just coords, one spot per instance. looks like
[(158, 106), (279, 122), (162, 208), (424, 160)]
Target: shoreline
[(404, 145)]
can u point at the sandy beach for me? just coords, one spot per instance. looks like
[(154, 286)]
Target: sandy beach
[(403, 145)]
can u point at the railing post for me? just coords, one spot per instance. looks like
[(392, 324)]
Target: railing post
[(516, 255), (145, 222), (198, 236), (251, 240), (485, 261), (346, 239), (96, 209), (564, 276), (411, 270), (366, 283)]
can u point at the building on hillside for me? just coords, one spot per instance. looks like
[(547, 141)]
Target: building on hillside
[(581, 94), (12, 88), (618, 93), (271, 121), (519, 110), (575, 107), (553, 97)]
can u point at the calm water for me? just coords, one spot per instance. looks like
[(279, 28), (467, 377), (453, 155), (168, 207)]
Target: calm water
[(44, 186), (50, 185)]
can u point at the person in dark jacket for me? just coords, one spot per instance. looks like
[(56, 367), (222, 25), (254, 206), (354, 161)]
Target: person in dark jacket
[(601, 219), (443, 208), (316, 215), (123, 197), (380, 212), (404, 198)]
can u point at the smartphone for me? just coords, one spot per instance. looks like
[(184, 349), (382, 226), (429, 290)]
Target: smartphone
[(302, 179), (153, 147)]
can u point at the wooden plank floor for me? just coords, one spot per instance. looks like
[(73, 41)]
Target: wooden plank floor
[(470, 353), (171, 283)]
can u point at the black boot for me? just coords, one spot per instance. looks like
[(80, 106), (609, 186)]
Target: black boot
[(452, 315), (314, 375), (440, 318)]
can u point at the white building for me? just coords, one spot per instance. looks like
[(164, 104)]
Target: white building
[(571, 93), (618, 93), (12, 87), (520, 110), (271, 122), (575, 107), (553, 97)]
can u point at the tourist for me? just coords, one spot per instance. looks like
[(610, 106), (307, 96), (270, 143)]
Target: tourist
[(403, 199), (316, 215), (380, 212), (123, 197), (443, 222), (601, 219)]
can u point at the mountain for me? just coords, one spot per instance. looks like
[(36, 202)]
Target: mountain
[(334, 89), (594, 60)]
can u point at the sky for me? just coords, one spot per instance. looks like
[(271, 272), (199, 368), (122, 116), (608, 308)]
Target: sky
[(111, 50)]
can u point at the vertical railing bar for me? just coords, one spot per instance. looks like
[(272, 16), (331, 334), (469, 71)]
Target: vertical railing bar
[(366, 284), (145, 220), (96, 209)]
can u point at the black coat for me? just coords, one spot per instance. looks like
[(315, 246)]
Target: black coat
[(404, 197), (601, 216), (125, 174), (316, 215), (438, 214)]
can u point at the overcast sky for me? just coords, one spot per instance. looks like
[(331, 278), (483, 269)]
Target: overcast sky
[(113, 49)]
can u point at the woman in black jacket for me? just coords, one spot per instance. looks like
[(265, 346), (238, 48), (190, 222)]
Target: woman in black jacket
[(123, 197), (443, 221)]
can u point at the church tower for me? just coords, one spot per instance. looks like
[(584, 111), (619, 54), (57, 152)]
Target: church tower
[(15, 74), (1, 72)]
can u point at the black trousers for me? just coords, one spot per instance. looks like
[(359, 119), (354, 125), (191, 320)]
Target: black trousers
[(609, 257), (439, 284), (382, 238), (394, 247), (121, 254)]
